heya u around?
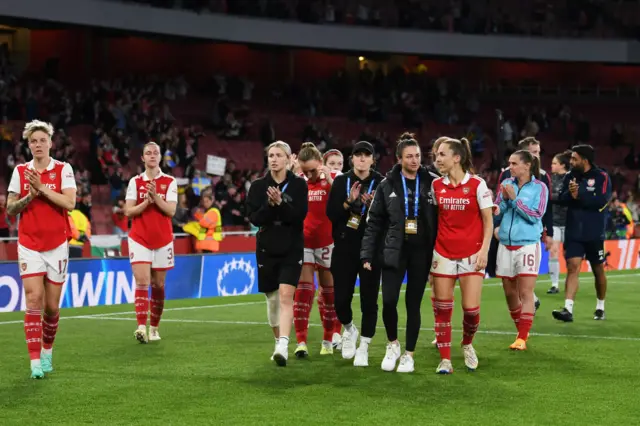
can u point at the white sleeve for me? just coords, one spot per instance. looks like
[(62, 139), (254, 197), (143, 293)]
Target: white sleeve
[(484, 196), (68, 179), (172, 192), (14, 184), (132, 190), (434, 198)]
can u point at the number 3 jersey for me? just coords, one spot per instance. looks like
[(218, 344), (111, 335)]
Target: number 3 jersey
[(460, 227), (317, 226), (152, 229)]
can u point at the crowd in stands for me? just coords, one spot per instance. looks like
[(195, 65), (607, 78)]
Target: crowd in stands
[(120, 115), (547, 18)]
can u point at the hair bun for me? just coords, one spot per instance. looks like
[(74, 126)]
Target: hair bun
[(308, 145)]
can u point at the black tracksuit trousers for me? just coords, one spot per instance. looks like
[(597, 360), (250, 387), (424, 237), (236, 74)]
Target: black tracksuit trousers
[(345, 268), (415, 261)]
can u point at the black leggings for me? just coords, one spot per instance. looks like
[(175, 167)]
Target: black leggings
[(416, 262), (345, 268), (492, 258)]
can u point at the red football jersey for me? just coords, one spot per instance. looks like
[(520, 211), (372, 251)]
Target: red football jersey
[(43, 226), (152, 229), (460, 228), (317, 226)]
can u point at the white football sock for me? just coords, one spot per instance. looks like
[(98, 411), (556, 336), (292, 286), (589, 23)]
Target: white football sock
[(554, 272), (600, 304), (568, 304)]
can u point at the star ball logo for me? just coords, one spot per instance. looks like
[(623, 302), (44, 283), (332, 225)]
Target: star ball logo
[(236, 278)]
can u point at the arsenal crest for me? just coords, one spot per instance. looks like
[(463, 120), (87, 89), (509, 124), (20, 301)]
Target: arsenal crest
[(131, 255), (23, 266), (52, 176), (465, 190), (163, 187), (591, 182), (434, 265)]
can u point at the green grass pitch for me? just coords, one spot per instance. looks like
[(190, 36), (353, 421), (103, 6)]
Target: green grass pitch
[(212, 367)]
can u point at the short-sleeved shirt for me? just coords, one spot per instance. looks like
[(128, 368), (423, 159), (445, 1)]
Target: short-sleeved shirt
[(460, 226), (152, 228), (317, 226), (43, 225)]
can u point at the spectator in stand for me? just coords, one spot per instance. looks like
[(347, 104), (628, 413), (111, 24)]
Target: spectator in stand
[(120, 220), (85, 205), (233, 212), (4, 218), (182, 216), (116, 182)]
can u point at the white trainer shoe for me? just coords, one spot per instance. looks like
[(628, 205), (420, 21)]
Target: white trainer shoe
[(470, 357), (406, 364), (435, 343), (281, 354), (336, 341), (444, 367), (274, 350), (349, 341), (362, 357), (391, 357), (154, 335), (141, 334)]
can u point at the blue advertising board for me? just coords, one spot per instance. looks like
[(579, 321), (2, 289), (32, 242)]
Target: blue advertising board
[(95, 282)]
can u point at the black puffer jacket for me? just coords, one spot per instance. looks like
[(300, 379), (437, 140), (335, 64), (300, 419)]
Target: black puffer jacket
[(387, 218)]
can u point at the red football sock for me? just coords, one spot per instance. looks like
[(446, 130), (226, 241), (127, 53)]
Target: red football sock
[(515, 315), (49, 329), (337, 327), (302, 302), (320, 300), (142, 304), (443, 311), (33, 332), (157, 305), (470, 323), (524, 326), (329, 319)]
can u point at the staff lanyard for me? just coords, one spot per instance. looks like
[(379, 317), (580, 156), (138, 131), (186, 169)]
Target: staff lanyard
[(364, 206), (284, 188), (416, 197)]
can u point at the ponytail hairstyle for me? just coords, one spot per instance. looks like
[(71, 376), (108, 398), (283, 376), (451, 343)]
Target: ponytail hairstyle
[(528, 158), (462, 148), (564, 158), (406, 139), (308, 152), (330, 153)]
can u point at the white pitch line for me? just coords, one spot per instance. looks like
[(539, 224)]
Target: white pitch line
[(494, 332), (223, 305)]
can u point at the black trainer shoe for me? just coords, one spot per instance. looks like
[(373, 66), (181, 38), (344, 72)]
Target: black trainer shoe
[(553, 290), (598, 315), (563, 315), (537, 305)]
